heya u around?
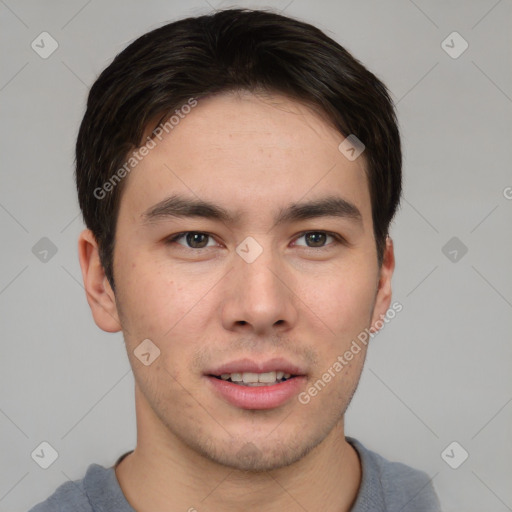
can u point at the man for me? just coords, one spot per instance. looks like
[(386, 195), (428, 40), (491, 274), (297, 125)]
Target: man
[(238, 174)]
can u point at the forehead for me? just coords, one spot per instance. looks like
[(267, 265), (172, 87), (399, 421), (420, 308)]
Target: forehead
[(227, 120), (247, 150)]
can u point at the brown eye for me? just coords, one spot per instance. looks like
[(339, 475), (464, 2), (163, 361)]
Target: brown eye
[(315, 239), (193, 239), (197, 240)]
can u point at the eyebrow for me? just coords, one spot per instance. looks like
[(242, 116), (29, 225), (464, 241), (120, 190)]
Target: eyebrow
[(181, 207), (331, 206)]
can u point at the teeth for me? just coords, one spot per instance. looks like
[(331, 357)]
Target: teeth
[(267, 377), (256, 379), (252, 378), (248, 377)]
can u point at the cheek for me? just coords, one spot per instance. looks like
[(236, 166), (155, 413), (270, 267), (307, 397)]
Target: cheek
[(342, 299), (150, 297), (166, 305), (154, 307)]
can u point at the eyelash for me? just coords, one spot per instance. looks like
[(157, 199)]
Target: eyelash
[(338, 239)]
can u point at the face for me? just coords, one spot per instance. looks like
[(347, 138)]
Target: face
[(273, 272)]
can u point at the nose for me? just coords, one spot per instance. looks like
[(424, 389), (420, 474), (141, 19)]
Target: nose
[(259, 297)]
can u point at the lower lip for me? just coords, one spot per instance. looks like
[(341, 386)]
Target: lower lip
[(257, 397)]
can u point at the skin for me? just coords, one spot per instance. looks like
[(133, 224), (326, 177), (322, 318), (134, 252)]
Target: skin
[(253, 155)]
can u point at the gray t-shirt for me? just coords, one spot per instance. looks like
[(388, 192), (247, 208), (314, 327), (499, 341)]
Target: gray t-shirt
[(385, 487)]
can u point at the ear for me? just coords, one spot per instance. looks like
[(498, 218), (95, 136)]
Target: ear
[(384, 292), (100, 296)]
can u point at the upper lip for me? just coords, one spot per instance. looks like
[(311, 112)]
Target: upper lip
[(250, 365)]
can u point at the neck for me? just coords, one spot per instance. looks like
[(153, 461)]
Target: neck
[(164, 474)]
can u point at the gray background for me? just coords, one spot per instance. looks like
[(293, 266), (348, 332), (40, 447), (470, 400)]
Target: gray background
[(438, 373)]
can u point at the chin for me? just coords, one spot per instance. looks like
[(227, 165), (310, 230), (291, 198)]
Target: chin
[(258, 456)]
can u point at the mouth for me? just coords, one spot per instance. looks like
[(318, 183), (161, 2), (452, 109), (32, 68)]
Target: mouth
[(252, 379), (247, 384)]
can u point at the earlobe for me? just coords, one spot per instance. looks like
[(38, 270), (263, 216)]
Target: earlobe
[(100, 295), (384, 289)]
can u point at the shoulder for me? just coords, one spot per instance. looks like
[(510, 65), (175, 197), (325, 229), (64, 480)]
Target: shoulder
[(392, 485), (71, 496)]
